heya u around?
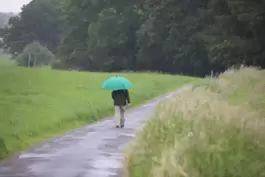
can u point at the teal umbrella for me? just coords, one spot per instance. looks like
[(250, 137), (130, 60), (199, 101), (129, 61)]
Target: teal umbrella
[(116, 83)]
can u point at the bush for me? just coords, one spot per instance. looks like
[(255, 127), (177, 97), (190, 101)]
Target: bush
[(35, 55), (211, 131)]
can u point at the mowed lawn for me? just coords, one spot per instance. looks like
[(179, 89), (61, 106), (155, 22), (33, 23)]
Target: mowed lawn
[(36, 104)]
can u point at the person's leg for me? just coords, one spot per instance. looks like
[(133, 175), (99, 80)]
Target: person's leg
[(117, 116), (122, 120)]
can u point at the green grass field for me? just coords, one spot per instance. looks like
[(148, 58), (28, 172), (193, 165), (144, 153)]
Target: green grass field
[(6, 61), (36, 104), (214, 130)]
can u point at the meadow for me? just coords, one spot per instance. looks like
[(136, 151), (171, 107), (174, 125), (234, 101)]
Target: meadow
[(6, 61), (40, 103), (215, 129)]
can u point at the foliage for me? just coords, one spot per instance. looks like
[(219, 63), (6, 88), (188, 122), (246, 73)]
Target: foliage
[(36, 55), (176, 36), (111, 48), (4, 17), (37, 104), (205, 132), (40, 20)]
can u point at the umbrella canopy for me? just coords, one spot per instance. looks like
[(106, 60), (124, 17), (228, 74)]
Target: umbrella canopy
[(116, 83)]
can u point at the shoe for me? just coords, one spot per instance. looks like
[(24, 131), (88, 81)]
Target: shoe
[(117, 126), (122, 123)]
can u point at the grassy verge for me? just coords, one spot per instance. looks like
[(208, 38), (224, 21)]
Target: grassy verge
[(36, 104), (214, 130)]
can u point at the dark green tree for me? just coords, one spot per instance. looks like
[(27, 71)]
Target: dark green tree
[(4, 17), (40, 20), (176, 36), (103, 38)]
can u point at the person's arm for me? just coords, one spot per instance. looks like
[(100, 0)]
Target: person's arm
[(127, 96)]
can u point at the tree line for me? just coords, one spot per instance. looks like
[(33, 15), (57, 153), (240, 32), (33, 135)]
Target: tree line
[(4, 17), (174, 36)]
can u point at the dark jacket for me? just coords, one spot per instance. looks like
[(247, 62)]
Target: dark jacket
[(120, 97)]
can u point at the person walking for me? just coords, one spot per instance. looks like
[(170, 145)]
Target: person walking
[(121, 100)]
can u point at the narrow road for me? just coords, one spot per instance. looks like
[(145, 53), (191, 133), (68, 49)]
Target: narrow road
[(95, 150)]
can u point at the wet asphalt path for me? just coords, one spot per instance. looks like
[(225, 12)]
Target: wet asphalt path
[(95, 150)]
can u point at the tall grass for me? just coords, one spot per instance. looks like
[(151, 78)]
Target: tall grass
[(36, 104), (215, 130)]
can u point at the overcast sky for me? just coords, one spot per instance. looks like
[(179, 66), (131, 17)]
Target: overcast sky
[(12, 5)]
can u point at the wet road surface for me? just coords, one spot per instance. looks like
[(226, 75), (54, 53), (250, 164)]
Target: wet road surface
[(95, 150)]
